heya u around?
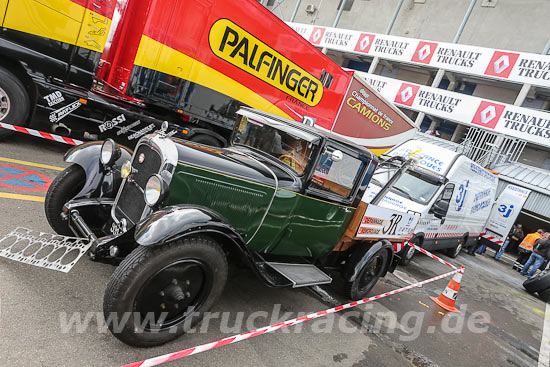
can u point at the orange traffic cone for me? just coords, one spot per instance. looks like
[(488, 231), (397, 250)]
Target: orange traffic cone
[(447, 298)]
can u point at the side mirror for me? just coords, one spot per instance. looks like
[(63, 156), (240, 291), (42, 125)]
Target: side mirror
[(337, 156), (440, 208)]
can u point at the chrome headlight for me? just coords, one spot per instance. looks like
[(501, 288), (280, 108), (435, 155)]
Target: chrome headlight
[(109, 153), (154, 190), (126, 169)]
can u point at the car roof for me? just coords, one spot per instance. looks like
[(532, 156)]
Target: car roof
[(304, 131)]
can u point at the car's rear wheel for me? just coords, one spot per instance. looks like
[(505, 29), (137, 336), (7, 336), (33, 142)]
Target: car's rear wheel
[(14, 101), (63, 189), (157, 293), (368, 276)]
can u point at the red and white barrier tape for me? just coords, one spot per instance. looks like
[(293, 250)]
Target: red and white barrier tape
[(268, 329), (417, 248), (490, 238), (41, 134)]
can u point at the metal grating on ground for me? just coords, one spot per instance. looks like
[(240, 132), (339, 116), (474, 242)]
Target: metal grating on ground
[(45, 250)]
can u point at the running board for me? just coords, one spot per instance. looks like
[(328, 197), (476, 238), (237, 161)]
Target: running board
[(301, 275), (50, 251)]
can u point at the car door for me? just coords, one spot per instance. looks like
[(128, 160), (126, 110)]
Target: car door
[(323, 212), (435, 233)]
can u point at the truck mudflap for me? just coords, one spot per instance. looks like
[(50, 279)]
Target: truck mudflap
[(50, 251)]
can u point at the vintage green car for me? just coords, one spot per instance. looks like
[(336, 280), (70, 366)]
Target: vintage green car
[(285, 197)]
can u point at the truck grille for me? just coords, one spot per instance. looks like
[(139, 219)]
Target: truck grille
[(130, 203)]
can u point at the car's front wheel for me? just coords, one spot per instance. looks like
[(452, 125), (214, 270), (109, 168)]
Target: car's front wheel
[(63, 189), (157, 293)]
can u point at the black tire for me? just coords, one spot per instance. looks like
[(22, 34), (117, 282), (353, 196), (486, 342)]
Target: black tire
[(537, 283), (454, 251), (63, 189), (545, 295), (206, 140), (407, 254), (14, 95), (132, 290), (368, 276)]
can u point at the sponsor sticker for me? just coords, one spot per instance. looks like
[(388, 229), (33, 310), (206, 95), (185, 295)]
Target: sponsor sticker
[(501, 64), (126, 129), (424, 52), (386, 223), (533, 124), (238, 47), (140, 133), (58, 115), (108, 125), (54, 98), (534, 68), (390, 47), (488, 114), (364, 43), (406, 94), (317, 35), (456, 58)]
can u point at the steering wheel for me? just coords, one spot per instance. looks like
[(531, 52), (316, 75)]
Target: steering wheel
[(293, 162)]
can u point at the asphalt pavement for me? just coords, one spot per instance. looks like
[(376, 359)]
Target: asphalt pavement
[(49, 318)]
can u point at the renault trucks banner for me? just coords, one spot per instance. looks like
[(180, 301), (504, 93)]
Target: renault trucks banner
[(519, 122), (520, 67), (506, 210)]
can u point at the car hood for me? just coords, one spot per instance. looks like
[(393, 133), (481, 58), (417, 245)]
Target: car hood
[(238, 162)]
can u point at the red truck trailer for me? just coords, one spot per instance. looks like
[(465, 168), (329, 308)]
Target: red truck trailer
[(94, 69)]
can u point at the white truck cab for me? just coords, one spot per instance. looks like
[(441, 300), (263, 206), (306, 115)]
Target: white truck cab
[(452, 194)]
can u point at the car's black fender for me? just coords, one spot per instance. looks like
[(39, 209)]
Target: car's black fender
[(174, 222), (98, 180), (368, 250)]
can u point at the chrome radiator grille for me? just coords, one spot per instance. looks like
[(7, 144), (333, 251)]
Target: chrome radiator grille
[(130, 203)]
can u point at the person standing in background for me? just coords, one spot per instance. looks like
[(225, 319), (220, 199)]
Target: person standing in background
[(513, 237), (540, 254), (525, 248)]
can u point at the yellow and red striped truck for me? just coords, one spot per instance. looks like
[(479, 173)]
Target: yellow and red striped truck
[(94, 69)]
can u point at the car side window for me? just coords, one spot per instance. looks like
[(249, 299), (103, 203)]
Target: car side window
[(336, 173)]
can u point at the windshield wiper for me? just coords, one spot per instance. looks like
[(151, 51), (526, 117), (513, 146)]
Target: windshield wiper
[(376, 182), (404, 192)]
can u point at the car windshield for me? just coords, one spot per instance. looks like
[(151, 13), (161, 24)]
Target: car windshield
[(411, 185), (282, 145)]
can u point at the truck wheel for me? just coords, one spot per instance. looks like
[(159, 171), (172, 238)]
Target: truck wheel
[(14, 101), (369, 275), (407, 254), (206, 140), (537, 283), (545, 295), (454, 251), (63, 189), (159, 292)]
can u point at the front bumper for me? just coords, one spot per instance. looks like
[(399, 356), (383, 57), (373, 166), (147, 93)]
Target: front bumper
[(101, 240)]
